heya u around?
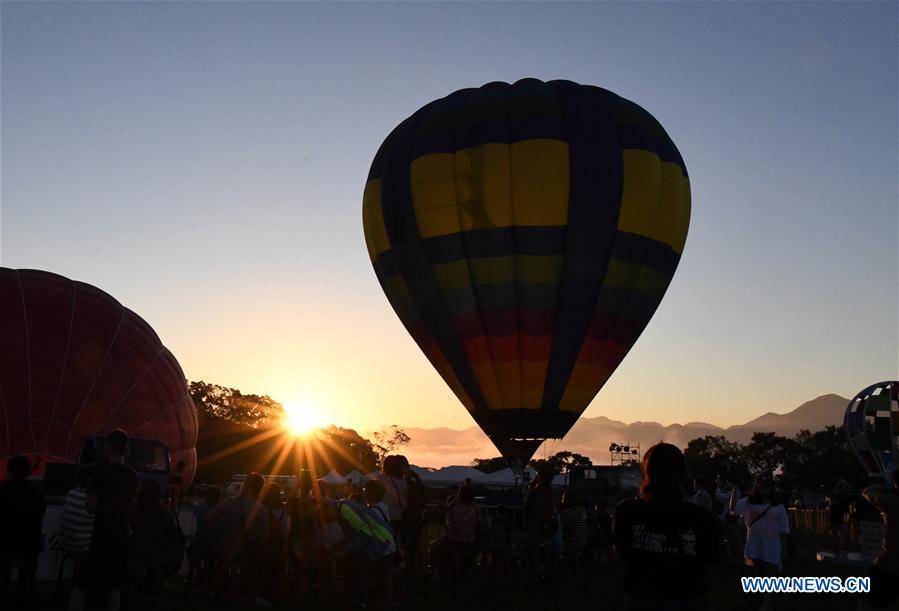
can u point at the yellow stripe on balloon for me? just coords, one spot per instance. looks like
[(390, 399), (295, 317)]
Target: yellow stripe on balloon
[(652, 198), (540, 182), (641, 186), (683, 217), (493, 185), (373, 220), (625, 275)]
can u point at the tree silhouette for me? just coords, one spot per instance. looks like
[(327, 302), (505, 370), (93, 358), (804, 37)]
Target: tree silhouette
[(385, 442)]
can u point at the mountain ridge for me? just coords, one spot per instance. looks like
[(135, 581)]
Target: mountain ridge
[(441, 446)]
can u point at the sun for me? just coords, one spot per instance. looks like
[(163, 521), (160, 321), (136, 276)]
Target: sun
[(302, 418)]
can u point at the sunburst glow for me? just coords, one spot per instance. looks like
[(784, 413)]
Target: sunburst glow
[(302, 418)]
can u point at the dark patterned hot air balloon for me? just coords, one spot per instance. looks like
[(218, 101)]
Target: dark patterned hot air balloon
[(525, 234), (75, 362), (871, 423)]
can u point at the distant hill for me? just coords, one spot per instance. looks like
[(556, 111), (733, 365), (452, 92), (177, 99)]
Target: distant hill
[(812, 415), (591, 436)]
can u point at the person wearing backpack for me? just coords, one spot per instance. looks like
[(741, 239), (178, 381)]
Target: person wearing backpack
[(370, 546), (767, 526)]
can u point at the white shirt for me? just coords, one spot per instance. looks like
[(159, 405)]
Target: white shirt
[(763, 537), (396, 496)]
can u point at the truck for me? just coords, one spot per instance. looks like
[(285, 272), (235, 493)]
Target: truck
[(149, 457), (610, 483)]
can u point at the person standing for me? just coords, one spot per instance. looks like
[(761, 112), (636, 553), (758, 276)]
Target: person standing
[(726, 495), (767, 525), (239, 525), (413, 557), (838, 503), (884, 571), (396, 493), (544, 531), (200, 550), (22, 508), (109, 497), (701, 496), (574, 530), (149, 529), (666, 543), (77, 523)]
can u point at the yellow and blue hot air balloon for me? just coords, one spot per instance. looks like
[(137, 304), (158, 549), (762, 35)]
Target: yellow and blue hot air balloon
[(525, 235)]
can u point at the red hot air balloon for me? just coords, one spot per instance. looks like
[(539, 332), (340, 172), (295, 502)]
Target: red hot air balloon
[(74, 363)]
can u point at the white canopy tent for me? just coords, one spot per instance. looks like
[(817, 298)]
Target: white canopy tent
[(356, 477), (334, 478)]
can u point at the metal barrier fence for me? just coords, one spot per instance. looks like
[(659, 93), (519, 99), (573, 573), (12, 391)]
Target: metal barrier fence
[(811, 520)]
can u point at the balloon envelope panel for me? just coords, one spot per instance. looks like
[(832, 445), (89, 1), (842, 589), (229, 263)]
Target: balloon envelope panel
[(525, 234), (75, 362), (871, 423)]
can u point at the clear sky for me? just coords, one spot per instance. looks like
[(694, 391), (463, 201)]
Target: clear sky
[(204, 163)]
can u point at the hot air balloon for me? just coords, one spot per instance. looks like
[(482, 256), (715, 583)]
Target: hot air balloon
[(76, 363), (525, 234), (871, 423)]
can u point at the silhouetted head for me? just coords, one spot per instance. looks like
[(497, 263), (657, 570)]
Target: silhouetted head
[(543, 480), (393, 466), (18, 468), (373, 491), (664, 474), (466, 494), (84, 476), (272, 499), (252, 486), (117, 442), (570, 499), (762, 491), (404, 463)]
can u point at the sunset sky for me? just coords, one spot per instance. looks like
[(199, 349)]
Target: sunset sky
[(204, 163)]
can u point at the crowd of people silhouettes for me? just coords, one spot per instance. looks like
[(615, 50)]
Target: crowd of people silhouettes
[(372, 546)]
